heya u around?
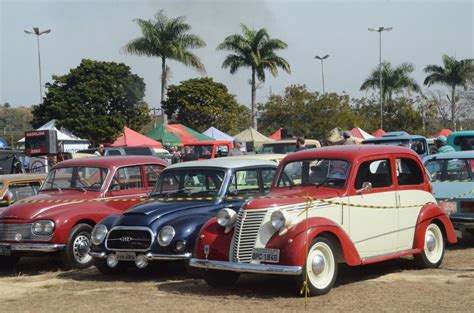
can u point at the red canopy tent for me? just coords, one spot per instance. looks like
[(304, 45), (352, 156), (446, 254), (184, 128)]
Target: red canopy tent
[(130, 138), (378, 133), (360, 133), (443, 132), (276, 135)]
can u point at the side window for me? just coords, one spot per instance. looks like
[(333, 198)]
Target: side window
[(408, 172), (267, 178), (23, 190), (418, 146), (152, 173), (376, 172), (222, 151), (128, 178), (113, 152), (435, 168), (244, 183)]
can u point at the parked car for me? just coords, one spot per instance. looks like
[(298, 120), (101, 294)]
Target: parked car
[(16, 187), (454, 139), (167, 229), (369, 204), (286, 146), (109, 151), (210, 149), (74, 197), (12, 161), (453, 184), (415, 142), (275, 157)]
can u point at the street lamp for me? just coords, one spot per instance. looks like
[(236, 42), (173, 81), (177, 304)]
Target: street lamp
[(380, 30), (322, 66), (38, 33)]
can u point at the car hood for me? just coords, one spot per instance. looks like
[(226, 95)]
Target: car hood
[(31, 210)]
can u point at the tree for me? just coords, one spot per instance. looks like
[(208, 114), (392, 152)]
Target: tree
[(453, 73), (94, 101), (256, 50), (200, 103), (14, 122), (167, 38)]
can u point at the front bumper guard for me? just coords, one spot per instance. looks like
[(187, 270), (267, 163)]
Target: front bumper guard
[(150, 256), (247, 267), (34, 247)]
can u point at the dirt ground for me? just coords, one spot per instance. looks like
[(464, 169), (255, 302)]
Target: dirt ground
[(37, 285)]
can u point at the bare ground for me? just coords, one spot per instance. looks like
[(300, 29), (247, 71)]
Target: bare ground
[(37, 285)]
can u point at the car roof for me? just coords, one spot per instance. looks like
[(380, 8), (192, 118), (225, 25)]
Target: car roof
[(25, 177), (452, 155), (223, 163), (348, 152), (393, 138), (462, 133), (111, 161), (262, 156)]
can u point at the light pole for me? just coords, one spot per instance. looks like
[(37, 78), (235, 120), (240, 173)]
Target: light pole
[(380, 30), (322, 66), (38, 33)]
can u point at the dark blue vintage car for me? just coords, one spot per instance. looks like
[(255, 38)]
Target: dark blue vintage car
[(166, 229)]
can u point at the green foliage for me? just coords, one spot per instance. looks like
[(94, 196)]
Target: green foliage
[(95, 100), (14, 122), (200, 103)]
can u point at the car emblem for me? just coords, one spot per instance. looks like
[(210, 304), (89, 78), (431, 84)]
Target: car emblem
[(126, 239)]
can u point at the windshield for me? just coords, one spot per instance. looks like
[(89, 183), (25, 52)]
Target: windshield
[(202, 152), (318, 172), (75, 177), (189, 182), (451, 169)]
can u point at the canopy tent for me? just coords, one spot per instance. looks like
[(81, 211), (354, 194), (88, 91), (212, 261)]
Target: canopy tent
[(130, 138), (217, 134), (71, 143), (250, 135), (276, 135), (442, 132), (378, 133), (360, 133), (175, 134)]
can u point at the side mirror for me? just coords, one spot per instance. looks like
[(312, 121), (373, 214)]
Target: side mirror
[(366, 187)]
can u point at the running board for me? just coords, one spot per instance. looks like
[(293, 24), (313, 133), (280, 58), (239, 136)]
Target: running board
[(389, 256)]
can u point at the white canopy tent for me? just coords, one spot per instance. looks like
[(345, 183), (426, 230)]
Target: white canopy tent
[(217, 134)]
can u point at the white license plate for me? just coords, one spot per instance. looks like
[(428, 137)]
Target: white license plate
[(5, 250), (266, 255), (126, 256)]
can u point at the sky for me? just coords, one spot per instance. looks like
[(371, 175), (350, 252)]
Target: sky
[(422, 32)]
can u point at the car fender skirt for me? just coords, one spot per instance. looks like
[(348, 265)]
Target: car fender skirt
[(428, 213), (213, 242)]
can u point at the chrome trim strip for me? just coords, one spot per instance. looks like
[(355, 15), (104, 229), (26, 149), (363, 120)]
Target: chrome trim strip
[(152, 234), (38, 247), (247, 267), (154, 256), (100, 255)]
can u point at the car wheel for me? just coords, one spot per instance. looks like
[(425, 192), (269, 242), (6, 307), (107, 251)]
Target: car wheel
[(220, 279), (433, 251), (102, 266), (320, 267), (76, 253), (8, 261)]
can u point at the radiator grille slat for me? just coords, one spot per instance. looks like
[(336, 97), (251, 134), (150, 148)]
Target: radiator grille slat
[(245, 234), (129, 239)]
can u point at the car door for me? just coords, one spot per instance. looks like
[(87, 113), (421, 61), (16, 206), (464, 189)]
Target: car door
[(373, 215), (128, 182)]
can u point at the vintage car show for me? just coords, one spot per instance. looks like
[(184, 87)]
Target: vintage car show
[(209, 155)]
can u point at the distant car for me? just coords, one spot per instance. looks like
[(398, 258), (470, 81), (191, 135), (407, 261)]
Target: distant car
[(210, 149), (12, 161), (351, 204), (453, 180), (286, 146), (167, 230), (109, 151), (15, 187), (454, 139), (74, 197), (415, 142)]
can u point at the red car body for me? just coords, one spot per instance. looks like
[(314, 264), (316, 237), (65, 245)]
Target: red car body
[(210, 149)]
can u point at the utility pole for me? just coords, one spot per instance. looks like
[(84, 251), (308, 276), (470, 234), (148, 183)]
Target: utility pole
[(322, 67), (38, 33)]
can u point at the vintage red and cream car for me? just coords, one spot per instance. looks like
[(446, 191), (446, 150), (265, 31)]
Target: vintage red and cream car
[(348, 204), (74, 197)]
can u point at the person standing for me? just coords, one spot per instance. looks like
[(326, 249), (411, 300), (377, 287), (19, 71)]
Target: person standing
[(176, 158), (189, 154), (300, 144), (236, 150), (100, 151), (441, 145)]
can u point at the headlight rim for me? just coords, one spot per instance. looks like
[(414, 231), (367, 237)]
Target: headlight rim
[(94, 240), (159, 238), (231, 217), (284, 220)]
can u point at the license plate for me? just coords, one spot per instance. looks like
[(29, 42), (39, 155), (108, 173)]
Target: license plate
[(126, 256), (5, 250), (458, 233), (266, 255)]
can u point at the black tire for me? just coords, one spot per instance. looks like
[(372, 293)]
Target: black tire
[(433, 251), (74, 254), (8, 261), (319, 283), (220, 279), (102, 266)]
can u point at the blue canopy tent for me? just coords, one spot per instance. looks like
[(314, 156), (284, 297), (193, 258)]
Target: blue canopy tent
[(217, 134)]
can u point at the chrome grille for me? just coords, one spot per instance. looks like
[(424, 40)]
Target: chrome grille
[(8, 232), (245, 234), (129, 239)]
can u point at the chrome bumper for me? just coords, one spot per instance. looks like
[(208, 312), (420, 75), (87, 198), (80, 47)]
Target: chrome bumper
[(246, 267), (150, 256), (34, 247)]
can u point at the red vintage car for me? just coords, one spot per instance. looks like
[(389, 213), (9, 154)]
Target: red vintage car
[(74, 197), (348, 204)]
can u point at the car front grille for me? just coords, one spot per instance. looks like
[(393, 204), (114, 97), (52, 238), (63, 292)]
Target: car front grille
[(123, 239), (22, 231), (245, 234)]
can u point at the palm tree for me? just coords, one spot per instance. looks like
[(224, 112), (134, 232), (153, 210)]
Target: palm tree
[(256, 50), (393, 80), (167, 38), (453, 73)]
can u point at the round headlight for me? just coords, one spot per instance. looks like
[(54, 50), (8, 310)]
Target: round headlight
[(279, 220), (165, 235), (98, 234), (42, 228), (37, 228), (226, 217)]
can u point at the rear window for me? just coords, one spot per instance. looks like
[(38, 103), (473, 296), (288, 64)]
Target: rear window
[(138, 151), (451, 169), (460, 139)]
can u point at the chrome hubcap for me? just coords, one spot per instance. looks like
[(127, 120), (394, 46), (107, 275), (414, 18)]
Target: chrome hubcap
[(430, 242), (318, 264), (81, 249)]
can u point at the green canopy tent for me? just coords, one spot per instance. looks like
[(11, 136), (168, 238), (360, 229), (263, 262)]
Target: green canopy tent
[(176, 134)]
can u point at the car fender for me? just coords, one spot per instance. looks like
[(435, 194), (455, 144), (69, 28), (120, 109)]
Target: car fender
[(292, 244), (214, 240), (187, 228), (428, 213)]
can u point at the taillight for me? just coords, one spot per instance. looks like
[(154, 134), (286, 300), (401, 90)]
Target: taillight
[(449, 207), (467, 206)]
